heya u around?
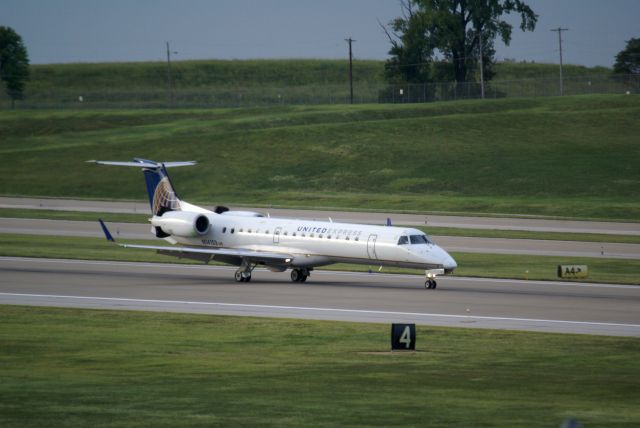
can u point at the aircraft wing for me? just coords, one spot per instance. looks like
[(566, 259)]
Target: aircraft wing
[(205, 254), (264, 256)]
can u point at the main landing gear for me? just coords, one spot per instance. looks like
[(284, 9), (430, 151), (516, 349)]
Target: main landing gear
[(430, 284), (299, 275), (243, 274)]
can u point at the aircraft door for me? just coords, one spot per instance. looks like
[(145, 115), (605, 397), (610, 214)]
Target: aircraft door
[(276, 235), (371, 247)]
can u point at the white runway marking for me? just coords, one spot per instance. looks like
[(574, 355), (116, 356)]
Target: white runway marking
[(302, 308)]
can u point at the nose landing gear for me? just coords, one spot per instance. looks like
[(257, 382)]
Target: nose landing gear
[(430, 283)]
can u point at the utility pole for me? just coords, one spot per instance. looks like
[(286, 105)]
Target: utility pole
[(169, 80), (350, 40), (481, 65), (560, 30)]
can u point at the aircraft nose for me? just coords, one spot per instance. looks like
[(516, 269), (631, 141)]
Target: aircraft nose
[(450, 263), (447, 261)]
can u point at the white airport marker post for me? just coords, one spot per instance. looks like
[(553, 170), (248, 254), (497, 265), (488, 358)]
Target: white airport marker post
[(403, 337)]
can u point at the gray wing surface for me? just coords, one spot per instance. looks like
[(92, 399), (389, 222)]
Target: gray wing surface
[(257, 256)]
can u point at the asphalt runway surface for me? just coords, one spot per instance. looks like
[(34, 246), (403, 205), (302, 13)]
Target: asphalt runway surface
[(452, 244), (500, 223), (600, 309)]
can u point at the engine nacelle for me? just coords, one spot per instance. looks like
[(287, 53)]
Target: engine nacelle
[(182, 223)]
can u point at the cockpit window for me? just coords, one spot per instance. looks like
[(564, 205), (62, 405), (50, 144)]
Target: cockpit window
[(419, 239), (404, 240)]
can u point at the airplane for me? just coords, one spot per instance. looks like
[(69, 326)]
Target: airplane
[(249, 239)]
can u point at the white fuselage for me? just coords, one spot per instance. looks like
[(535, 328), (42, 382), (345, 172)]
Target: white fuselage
[(317, 243)]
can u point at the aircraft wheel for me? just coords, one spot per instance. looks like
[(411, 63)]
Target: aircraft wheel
[(241, 278), (430, 284), (296, 275), (247, 278), (304, 278)]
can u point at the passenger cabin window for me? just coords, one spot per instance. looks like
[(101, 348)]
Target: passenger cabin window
[(404, 240), (224, 230)]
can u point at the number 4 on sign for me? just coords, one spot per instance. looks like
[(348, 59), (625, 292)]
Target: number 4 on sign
[(406, 337)]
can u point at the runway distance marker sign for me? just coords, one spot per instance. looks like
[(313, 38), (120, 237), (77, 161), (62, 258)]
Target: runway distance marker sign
[(403, 337)]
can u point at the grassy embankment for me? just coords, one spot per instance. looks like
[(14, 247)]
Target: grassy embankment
[(569, 157), (470, 264), (266, 82), (111, 368)]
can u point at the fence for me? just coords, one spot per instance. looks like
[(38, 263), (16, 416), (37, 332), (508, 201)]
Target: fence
[(256, 96)]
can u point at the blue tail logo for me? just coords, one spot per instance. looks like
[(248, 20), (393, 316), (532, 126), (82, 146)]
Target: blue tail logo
[(162, 196)]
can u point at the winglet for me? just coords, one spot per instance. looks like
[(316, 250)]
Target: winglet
[(107, 234)]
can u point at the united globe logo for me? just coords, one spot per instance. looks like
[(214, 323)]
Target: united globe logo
[(165, 197)]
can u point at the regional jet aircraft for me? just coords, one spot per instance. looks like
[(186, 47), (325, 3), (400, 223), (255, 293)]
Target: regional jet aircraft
[(249, 239)]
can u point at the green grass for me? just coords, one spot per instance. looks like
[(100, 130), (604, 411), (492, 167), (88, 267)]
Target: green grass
[(569, 157), (75, 367), (435, 231), (208, 83), (72, 215), (242, 73), (469, 264), (525, 234)]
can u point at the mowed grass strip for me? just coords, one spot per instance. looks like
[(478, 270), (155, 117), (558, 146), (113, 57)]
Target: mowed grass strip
[(72, 215), (434, 231), (567, 157), (469, 264), (75, 367)]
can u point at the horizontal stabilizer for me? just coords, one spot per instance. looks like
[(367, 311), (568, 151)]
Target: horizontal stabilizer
[(144, 163)]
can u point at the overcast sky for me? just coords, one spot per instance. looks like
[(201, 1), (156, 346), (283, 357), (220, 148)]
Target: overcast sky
[(59, 31)]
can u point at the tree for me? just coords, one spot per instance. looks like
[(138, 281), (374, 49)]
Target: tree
[(450, 28), (628, 59), (14, 63)]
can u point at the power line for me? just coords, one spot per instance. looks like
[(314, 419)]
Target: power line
[(169, 80), (560, 30), (350, 40)]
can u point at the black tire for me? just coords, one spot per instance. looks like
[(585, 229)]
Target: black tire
[(238, 276), (247, 279), (295, 275), (304, 278)]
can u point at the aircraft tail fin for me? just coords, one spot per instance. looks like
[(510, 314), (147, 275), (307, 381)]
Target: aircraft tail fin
[(162, 195)]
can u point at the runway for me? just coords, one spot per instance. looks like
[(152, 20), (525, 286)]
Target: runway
[(450, 243), (601, 309)]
